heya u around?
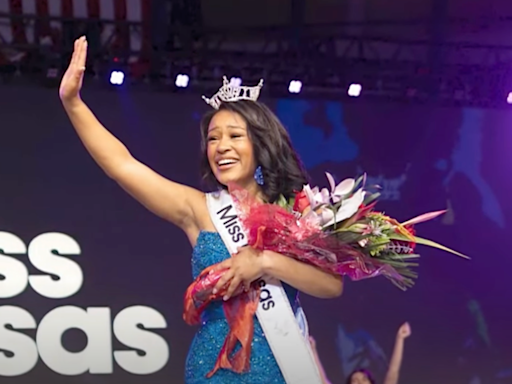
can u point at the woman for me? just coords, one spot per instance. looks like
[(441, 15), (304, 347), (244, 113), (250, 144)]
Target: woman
[(244, 143), (363, 376)]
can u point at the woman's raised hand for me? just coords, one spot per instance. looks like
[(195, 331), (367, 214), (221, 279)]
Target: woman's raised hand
[(71, 82), (404, 331)]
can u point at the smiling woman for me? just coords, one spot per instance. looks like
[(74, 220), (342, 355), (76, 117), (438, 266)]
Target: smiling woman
[(250, 135), (244, 143), (229, 149)]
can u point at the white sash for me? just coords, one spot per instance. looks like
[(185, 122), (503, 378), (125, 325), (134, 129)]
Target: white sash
[(290, 347)]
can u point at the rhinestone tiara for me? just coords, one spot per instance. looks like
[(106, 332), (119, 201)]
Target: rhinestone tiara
[(230, 92)]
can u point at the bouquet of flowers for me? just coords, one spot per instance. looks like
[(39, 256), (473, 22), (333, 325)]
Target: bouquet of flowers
[(337, 231)]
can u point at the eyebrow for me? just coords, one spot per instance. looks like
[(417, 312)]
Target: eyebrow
[(227, 126)]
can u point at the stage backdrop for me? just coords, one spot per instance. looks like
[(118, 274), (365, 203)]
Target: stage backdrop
[(91, 284)]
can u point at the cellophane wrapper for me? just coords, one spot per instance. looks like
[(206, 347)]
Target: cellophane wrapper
[(239, 312), (273, 228)]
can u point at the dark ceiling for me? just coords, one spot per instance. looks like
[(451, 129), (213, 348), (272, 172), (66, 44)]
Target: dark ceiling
[(482, 21)]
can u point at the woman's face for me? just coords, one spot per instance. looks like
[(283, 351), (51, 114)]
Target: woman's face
[(359, 378), (229, 150)]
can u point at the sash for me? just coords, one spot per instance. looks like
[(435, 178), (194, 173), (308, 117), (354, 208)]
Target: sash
[(290, 347)]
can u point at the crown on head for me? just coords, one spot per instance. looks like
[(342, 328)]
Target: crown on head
[(230, 92)]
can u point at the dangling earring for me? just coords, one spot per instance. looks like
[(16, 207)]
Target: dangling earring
[(258, 176)]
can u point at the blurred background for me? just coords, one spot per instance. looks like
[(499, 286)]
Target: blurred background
[(415, 93)]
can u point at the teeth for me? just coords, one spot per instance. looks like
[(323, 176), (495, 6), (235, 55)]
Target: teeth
[(226, 161)]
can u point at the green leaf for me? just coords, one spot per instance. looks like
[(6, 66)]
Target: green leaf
[(404, 256), (359, 182), (356, 227), (398, 264), (282, 202), (377, 244), (408, 273), (336, 206), (291, 203), (349, 237), (371, 198), (334, 210), (428, 243), (403, 285)]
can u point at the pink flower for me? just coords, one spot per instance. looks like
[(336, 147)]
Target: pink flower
[(316, 197), (348, 208), (342, 190)]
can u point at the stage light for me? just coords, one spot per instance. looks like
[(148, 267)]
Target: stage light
[(116, 78), (295, 86), (235, 81), (354, 90), (509, 98), (182, 80)]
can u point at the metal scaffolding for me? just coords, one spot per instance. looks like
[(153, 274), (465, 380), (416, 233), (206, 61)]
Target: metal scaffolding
[(324, 57)]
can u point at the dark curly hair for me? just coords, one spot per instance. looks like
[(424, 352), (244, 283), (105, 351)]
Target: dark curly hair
[(364, 371), (282, 169)]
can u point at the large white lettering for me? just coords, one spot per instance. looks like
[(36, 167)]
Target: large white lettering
[(96, 357), (19, 353), (21, 347), (46, 254), (127, 331), (13, 273)]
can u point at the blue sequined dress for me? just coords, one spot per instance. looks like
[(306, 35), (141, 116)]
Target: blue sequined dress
[(208, 341)]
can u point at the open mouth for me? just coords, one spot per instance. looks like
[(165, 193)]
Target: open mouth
[(226, 164)]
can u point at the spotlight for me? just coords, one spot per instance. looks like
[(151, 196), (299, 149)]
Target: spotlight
[(354, 90), (182, 80), (116, 78), (295, 86), (509, 98)]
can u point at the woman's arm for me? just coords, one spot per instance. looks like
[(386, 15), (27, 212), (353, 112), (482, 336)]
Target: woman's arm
[(398, 351), (304, 277), (165, 198), (249, 265), (323, 375)]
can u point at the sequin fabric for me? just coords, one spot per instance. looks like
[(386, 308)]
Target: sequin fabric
[(209, 338)]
